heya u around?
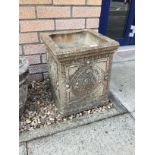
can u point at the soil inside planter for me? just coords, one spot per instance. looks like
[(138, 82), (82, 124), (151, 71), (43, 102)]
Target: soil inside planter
[(40, 110)]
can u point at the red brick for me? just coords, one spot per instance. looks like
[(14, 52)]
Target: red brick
[(92, 23), (68, 2), (20, 50), (36, 25), (35, 1), (70, 24), (34, 49), (41, 68), (33, 59), (44, 58), (28, 38), (94, 2), (86, 11), (53, 12), (41, 33), (35, 77), (27, 13)]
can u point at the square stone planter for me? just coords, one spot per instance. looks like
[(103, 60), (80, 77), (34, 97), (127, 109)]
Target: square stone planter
[(79, 67)]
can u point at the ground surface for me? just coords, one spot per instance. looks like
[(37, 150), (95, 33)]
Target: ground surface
[(112, 134), (40, 110)]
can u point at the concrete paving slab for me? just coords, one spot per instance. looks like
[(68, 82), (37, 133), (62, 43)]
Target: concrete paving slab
[(113, 136), (122, 84), (133, 114), (124, 56), (22, 149)]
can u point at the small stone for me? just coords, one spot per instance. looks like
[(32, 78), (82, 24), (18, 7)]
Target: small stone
[(71, 117), (51, 119), (106, 132), (108, 106), (88, 111), (48, 123), (28, 121), (31, 128), (103, 109), (64, 119), (100, 108), (67, 86), (88, 62)]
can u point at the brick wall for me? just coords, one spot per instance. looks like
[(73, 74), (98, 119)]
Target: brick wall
[(43, 16)]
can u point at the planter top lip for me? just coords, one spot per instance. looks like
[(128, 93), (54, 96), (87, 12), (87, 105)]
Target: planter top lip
[(72, 43)]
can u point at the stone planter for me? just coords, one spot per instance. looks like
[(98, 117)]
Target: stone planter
[(23, 75), (79, 67)]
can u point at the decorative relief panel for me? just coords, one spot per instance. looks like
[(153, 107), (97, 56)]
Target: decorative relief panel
[(86, 80)]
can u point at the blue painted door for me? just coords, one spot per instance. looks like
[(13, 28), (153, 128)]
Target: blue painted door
[(117, 20)]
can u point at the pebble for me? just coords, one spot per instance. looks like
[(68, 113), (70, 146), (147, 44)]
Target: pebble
[(109, 106), (45, 112), (88, 111), (28, 121)]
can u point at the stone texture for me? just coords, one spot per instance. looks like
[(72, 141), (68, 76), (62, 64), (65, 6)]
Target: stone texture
[(79, 65), (22, 149), (53, 12), (113, 136), (122, 84)]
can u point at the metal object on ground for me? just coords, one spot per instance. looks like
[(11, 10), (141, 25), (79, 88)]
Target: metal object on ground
[(79, 67), (23, 88)]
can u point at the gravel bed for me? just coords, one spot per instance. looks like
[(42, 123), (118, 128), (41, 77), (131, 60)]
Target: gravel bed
[(40, 110)]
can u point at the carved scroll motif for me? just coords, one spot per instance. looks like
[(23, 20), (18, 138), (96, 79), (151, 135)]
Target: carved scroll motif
[(86, 80)]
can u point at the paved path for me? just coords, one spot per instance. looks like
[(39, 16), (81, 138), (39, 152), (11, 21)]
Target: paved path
[(122, 85), (111, 136)]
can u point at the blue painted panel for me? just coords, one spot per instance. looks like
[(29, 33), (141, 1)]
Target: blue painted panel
[(126, 40)]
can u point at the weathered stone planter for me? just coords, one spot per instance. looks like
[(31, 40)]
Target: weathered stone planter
[(79, 67), (23, 75)]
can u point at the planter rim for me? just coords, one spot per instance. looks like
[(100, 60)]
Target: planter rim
[(108, 46)]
